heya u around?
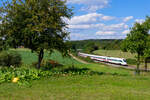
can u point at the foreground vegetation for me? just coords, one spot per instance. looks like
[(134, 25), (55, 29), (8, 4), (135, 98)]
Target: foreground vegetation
[(104, 87), (72, 80)]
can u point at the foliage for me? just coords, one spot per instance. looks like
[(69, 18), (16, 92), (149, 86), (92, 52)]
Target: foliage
[(136, 41), (104, 44), (3, 44), (88, 59), (36, 24), (26, 75), (146, 55), (131, 61), (90, 47), (48, 64), (124, 45), (10, 59)]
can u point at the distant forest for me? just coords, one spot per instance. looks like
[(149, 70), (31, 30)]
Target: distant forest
[(95, 44)]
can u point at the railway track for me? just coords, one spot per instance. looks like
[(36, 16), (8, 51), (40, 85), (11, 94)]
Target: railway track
[(121, 66), (110, 64)]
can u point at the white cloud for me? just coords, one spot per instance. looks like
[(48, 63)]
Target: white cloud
[(100, 26), (86, 26), (90, 5), (107, 18), (80, 36), (105, 32), (115, 27), (127, 18), (88, 18), (126, 32), (139, 20), (79, 26)]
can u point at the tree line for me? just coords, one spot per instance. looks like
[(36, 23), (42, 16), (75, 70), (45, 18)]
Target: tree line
[(89, 46)]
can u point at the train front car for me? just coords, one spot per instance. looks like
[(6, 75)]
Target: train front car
[(119, 61), (113, 60), (124, 62)]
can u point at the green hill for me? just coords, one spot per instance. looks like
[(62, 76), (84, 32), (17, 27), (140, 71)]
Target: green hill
[(108, 84)]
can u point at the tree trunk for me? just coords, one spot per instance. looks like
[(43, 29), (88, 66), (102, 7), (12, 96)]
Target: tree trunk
[(40, 57), (145, 64), (138, 65)]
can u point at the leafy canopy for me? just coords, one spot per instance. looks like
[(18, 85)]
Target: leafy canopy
[(136, 40), (36, 24)]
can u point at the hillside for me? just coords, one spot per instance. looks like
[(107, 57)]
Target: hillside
[(100, 82), (108, 44)]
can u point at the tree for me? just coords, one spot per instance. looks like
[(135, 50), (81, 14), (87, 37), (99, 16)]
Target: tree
[(147, 49), (124, 45), (37, 25), (90, 47), (136, 42), (147, 53)]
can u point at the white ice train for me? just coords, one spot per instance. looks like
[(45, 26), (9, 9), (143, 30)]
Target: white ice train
[(120, 61)]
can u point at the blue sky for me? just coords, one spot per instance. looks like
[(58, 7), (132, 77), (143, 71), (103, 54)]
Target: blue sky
[(105, 19)]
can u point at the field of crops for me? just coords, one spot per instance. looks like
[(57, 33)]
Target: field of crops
[(85, 82)]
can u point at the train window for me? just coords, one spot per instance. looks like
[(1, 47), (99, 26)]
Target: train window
[(120, 60), (124, 60)]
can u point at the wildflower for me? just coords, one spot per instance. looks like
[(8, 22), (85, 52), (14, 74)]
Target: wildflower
[(15, 80)]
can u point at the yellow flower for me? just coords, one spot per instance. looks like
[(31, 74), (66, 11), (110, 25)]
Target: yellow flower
[(15, 80)]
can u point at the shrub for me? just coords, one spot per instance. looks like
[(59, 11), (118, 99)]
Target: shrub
[(47, 64), (88, 59), (26, 75), (10, 58), (131, 61)]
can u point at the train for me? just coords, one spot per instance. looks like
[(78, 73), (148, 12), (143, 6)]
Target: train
[(113, 60)]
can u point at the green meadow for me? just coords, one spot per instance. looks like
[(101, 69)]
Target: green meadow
[(115, 53), (110, 84), (120, 54), (104, 87), (28, 57)]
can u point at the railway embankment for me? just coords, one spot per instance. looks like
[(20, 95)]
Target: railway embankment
[(130, 67)]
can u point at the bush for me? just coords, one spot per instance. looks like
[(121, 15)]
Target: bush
[(26, 75), (131, 61), (87, 59), (47, 64), (10, 58)]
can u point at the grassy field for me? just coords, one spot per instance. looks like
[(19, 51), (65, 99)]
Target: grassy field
[(112, 84), (115, 53), (118, 53), (104, 87), (29, 58)]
